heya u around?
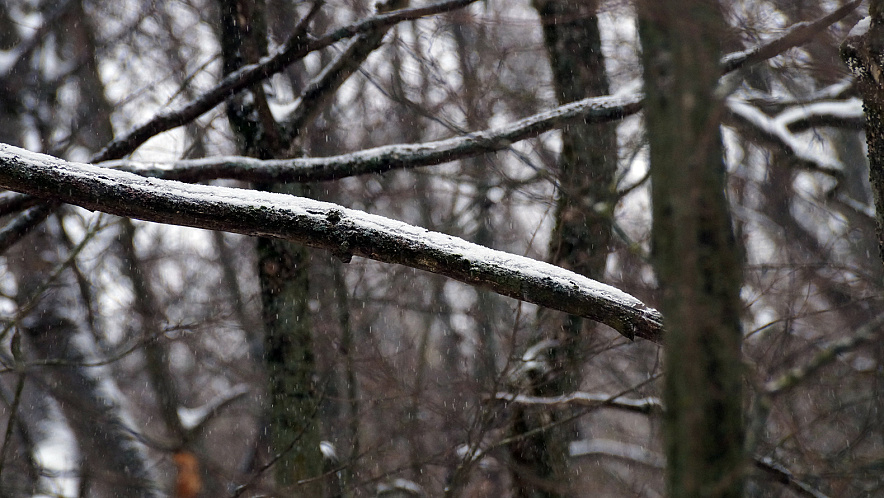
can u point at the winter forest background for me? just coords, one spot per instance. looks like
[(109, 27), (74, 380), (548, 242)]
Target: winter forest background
[(148, 359)]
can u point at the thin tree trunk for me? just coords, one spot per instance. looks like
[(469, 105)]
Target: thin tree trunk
[(292, 408), (586, 196)]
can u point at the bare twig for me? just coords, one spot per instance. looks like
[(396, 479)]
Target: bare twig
[(869, 332), (785, 477)]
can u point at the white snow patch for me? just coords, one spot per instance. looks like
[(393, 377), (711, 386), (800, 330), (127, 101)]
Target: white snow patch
[(861, 28), (844, 109), (193, 417), (57, 455)]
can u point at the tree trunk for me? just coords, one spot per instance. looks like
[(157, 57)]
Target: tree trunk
[(697, 260), (580, 239), (292, 408), (863, 52)]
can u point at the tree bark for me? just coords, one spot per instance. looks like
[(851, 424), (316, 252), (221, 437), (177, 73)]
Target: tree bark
[(582, 233), (695, 255), (293, 402), (863, 52)]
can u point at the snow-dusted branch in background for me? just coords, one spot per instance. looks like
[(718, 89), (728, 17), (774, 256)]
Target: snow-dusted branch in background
[(616, 449), (295, 48), (195, 420), (386, 158), (391, 157), (19, 226), (641, 455), (583, 399), (775, 133), (343, 231), (798, 34), (840, 114)]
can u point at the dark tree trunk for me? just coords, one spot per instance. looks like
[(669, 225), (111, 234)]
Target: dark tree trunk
[(292, 408), (863, 52), (696, 257), (582, 233)]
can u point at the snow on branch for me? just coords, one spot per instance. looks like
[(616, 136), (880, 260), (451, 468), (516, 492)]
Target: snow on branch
[(583, 399), (382, 159), (295, 48), (401, 156), (386, 158), (195, 419), (343, 231), (616, 449), (840, 113), (775, 132), (797, 34)]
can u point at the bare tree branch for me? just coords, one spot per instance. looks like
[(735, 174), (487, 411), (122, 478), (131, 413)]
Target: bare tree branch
[(798, 34), (386, 158), (871, 331), (318, 224), (295, 48), (785, 477), (21, 225), (639, 454)]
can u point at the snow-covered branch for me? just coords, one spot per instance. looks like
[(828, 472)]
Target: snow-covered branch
[(389, 157), (616, 449), (840, 113), (382, 159), (295, 48), (195, 420), (583, 399), (775, 132), (343, 231)]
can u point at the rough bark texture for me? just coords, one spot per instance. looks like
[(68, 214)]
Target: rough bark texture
[(579, 242), (863, 52), (694, 251)]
